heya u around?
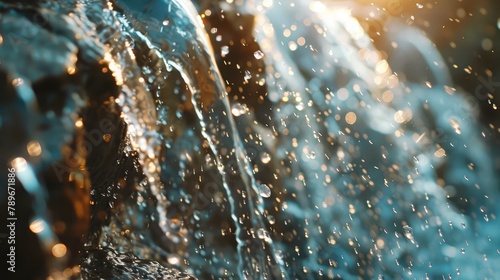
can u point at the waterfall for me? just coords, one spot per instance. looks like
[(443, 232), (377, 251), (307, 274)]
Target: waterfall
[(241, 140)]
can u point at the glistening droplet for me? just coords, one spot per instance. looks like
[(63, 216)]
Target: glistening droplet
[(408, 232), (258, 54), (265, 158), (264, 191)]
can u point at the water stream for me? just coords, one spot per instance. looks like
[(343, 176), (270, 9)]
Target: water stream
[(260, 140)]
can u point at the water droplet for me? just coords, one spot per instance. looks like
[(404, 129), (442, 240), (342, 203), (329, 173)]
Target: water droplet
[(196, 215), (265, 158), (258, 54), (199, 234), (19, 164), (420, 6), (34, 148), (300, 106), (271, 219), (208, 159), (264, 191), (37, 226), (224, 50), (238, 110), (178, 114), (455, 125), (279, 255), (463, 250), (351, 118), (312, 155), (173, 260), (262, 233), (248, 75), (463, 225), (59, 250), (408, 233)]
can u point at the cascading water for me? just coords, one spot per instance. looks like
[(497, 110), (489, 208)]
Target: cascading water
[(191, 57), (306, 157)]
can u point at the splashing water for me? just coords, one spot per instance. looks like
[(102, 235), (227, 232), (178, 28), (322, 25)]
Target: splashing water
[(260, 140), (192, 58)]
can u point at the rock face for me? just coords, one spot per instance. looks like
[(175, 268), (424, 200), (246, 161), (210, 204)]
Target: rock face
[(59, 116), (305, 157)]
